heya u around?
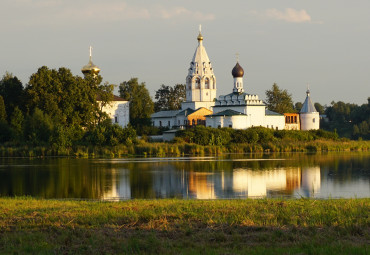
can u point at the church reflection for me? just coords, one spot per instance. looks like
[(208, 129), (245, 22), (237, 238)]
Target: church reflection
[(170, 181)]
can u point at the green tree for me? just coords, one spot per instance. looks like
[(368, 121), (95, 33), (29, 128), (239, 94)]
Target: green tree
[(279, 100), (298, 106), (39, 127), (70, 100), (12, 91), (319, 108), (169, 98), (141, 104), (16, 122), (2, 110)]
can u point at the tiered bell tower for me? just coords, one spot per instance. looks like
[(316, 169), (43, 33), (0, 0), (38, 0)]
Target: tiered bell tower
[(200, 81)]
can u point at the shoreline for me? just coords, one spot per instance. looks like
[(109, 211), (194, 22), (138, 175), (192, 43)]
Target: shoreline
[(145, 149)]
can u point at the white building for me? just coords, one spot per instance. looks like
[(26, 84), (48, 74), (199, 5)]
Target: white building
[(200, 91), (201, 81), (118, 109), (310, 118), (241, 110)]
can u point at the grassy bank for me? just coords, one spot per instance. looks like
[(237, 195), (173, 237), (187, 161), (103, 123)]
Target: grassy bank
[(185, 227), (182, 148)]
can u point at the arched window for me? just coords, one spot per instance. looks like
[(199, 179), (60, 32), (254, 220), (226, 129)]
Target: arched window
[(207, 83), (197, 83)]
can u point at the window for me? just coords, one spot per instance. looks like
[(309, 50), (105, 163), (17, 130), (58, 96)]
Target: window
[(178, 122), (207, 83), (115, 119), (295, 119), (169, 123), (230, 126), (197, 83), (313, 120), (160, 123)]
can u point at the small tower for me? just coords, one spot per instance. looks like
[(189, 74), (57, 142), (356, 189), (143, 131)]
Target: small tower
[(310, 118), (238, 74), (200, 81), (90, 68)]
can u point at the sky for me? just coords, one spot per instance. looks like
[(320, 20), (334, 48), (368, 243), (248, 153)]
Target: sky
[(325, 44)]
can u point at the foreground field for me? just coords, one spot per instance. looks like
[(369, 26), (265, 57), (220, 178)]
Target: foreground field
[(185, 226)]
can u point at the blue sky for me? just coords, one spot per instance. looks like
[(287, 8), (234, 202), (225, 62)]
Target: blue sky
[(323, 43)]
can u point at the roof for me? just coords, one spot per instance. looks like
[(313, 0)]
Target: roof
[(186, 112), (308, 105), (227, 112), (237, 71), (165, 114), (271, 113)]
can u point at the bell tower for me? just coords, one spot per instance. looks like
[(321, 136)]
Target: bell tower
[(200, 81)]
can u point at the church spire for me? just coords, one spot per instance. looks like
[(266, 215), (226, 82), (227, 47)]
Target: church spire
[(200, 81)]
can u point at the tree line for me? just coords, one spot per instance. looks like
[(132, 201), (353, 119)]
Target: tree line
[(60, 109)]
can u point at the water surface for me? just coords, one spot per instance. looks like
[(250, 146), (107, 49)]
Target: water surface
[(332, 175)]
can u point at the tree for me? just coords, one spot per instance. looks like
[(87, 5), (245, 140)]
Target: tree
[(298, 106), (279, 100), (16, 122), (141, 104), (69, 100), (319, 108), (2, 110), (11, 89), (169, 98)]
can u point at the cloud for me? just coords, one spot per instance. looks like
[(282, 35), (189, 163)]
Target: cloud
[(289, 15), (60, 12), (183, 12)]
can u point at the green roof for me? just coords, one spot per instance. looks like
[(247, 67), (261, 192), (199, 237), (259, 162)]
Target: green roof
[(227, 112)]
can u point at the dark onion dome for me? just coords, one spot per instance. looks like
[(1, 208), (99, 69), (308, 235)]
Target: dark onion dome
[(237, 71)]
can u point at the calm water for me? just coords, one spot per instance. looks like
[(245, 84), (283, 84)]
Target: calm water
[(297, 175)]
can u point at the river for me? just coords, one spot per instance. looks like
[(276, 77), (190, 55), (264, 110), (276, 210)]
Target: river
[(234, 176)]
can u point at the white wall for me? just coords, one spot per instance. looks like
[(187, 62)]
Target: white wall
[(310, 120), (118, 111), (273, 121)]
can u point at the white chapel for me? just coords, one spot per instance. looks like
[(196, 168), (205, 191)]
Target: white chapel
[(118, 109)]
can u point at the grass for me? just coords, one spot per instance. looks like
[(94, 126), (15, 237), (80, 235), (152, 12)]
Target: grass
[(182, 148), (265, 226)]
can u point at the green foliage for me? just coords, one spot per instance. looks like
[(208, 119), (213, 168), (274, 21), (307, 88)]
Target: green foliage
[(5, 132), (169, 98), (39, 127), (298, 106), (2, 109), (110, 134), (350, 120), (257, 135), (70, 100), (319, 108), (16, 122), (141, 104), (279, 100), (11, 89)]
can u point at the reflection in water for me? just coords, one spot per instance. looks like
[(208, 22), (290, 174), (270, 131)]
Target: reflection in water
[(237, 176)]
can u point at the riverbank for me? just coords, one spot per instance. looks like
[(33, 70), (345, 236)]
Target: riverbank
[(265, 226), (181, 148)]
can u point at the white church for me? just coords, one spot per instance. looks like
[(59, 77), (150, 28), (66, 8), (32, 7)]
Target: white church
[(238, 110)]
